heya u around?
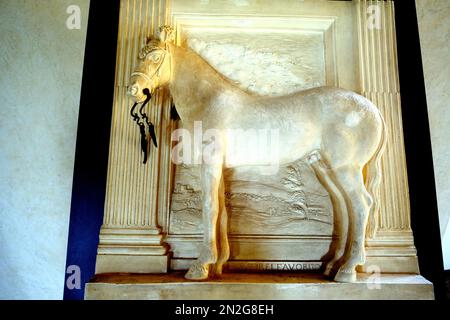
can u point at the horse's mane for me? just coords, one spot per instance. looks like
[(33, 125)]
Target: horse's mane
[(217, 74)]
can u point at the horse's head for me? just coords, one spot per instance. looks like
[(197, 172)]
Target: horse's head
[(155, 66)]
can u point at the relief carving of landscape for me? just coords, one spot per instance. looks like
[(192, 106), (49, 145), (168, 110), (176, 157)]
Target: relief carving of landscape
[(291, 202)]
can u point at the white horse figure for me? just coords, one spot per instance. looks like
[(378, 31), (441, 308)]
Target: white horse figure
[(338, 131)]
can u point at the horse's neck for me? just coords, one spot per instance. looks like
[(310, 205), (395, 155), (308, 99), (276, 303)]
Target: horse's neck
[(195, 85)]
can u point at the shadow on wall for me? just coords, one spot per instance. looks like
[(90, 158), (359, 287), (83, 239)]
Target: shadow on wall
[(91, 158)]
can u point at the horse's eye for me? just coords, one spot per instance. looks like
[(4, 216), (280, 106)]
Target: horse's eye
[(156, 59)]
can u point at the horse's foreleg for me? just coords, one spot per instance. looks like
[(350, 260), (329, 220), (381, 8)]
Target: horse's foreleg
[(211, 175), (340, 211), (222, 232)]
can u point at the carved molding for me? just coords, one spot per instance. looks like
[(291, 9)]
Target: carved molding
[(297, 52)]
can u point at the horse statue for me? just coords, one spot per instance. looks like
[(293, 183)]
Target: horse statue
[(339, 132)]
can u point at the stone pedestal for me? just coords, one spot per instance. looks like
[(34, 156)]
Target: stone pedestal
[(244, 286)]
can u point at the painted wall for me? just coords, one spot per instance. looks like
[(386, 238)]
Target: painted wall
[(434, 28), (41, 63)]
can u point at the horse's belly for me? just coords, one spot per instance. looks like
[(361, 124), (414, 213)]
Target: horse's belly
[(272, 147)]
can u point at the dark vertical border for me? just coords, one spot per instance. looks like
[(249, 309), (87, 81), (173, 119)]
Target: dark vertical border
[(91, 155), (424, 212)]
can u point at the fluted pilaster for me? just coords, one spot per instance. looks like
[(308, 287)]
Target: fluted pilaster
[(130, 238), (379, 81)]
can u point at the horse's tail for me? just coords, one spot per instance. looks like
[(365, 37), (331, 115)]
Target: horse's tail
[(373, 174)]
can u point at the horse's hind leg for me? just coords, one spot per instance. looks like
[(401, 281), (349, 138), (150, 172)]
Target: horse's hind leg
[(358, 202), (222, 232), (340, 212)]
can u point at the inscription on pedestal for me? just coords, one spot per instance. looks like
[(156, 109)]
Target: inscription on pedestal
[(267, 266)]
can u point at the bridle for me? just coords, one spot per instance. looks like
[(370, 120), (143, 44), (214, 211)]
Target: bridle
[(140, 117), (157, 70)]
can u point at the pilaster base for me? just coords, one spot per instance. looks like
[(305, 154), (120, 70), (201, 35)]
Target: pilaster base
[(131, 250), (396, 264), (391, 252), (110, 263)]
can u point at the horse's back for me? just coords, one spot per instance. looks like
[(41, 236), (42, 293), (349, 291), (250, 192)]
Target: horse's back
[(348, 126)]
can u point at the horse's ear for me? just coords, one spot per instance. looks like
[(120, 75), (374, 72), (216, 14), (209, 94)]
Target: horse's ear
[(166, 34)]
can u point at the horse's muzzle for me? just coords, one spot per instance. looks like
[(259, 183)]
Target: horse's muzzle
[(133, 90), (136, 92)]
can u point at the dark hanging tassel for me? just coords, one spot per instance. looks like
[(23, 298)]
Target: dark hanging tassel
[(151, 130), (144, 142), (140, 122), (141, 118), (174, 113), (151, 127)]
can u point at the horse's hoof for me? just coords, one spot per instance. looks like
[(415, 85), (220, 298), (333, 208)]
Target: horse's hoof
[(216, 270), (344, 275), (328, 270), (197, 272)]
